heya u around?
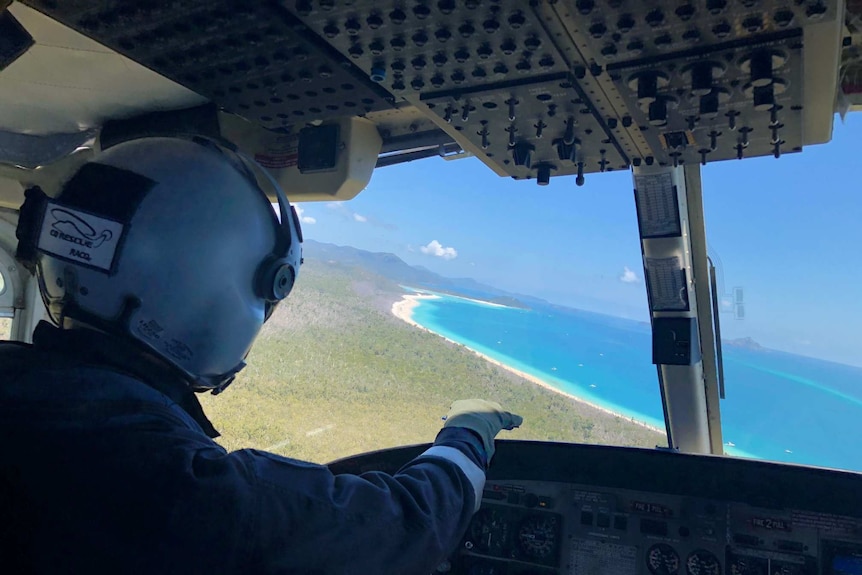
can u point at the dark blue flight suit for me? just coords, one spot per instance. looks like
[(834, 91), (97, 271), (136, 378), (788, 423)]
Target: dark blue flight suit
[(107, 466)]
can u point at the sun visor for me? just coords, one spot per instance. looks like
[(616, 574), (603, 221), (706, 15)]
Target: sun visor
[(332, 161)]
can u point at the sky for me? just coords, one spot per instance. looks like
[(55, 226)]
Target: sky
[(788, 232)]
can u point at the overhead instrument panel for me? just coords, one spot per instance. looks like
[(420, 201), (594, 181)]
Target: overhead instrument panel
[(534, 89), (566, 509), (544, 88), (489, 72), (704, 80), (252, 58)]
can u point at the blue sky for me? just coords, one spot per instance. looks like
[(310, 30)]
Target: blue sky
[(787, 231)]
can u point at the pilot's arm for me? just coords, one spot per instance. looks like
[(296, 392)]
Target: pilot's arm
[(311, 521)]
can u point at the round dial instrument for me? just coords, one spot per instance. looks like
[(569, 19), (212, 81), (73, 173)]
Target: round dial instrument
[(744, 565), (537, 536), (662, 560), (702, 562), (489, 531)]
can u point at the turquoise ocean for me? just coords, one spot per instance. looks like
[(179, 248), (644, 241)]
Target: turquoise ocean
[(778, 406)]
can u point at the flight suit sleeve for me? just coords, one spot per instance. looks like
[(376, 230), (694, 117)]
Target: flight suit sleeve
[(311, 521)]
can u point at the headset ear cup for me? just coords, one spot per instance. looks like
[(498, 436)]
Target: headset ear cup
[(276, 279), (283, 280)]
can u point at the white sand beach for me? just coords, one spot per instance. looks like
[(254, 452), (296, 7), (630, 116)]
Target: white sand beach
[(403, 310)]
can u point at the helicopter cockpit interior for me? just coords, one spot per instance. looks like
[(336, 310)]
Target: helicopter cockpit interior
[(323, 92)]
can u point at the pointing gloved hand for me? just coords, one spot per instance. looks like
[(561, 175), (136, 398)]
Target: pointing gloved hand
[(486, 418)]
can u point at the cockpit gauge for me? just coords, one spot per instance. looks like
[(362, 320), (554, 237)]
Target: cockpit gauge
[(662, 560), (489, 532), (702, 562), (537, 537), (745, 565)]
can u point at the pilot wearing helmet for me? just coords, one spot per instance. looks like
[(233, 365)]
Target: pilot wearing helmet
[(158, 264)]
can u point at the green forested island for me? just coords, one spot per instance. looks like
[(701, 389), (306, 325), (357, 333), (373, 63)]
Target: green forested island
[(334, 373)]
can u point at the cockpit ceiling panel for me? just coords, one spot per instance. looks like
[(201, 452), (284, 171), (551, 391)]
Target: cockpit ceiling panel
[(541, 128), (728, 101), (491, 73), (252, 58), (617, 32), (534, 89)]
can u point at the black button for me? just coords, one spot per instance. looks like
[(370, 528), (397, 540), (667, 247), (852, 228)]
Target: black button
[(603, 520), (586, 517), (621, 522)]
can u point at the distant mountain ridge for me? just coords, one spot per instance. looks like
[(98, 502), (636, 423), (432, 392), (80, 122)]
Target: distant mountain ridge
[(394, 268)]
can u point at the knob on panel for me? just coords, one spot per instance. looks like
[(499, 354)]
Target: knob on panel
[(761, 64), (647, 85)]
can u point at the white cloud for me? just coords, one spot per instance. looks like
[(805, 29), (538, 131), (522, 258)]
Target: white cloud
[(304, 219), (345, 212), (435, 248), (629, 277)]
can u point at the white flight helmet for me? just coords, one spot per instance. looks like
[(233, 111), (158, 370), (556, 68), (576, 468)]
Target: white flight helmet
[(170, 242)]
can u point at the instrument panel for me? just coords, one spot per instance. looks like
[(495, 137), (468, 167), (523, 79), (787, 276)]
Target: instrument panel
[(606, 510)]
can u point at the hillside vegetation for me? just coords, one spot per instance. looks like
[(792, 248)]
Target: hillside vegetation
[(334, 373)]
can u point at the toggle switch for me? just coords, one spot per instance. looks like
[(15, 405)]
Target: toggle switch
[(703, 75)]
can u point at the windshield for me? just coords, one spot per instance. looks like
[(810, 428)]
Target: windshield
[(786, 234), (442, 281)]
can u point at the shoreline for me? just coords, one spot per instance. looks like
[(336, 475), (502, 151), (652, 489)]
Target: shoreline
[(437, 295), (403, 310)]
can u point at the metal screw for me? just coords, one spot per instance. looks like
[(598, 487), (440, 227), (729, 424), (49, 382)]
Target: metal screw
[(603, 163), (745, 130), (580, 179)]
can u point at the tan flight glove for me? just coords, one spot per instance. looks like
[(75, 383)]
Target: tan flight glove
[(486, 418)]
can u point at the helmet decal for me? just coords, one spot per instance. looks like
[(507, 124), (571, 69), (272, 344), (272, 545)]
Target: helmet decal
[(80, 237)]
